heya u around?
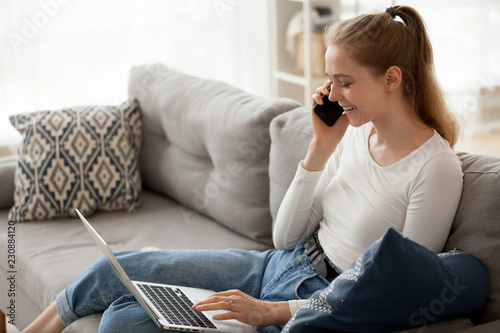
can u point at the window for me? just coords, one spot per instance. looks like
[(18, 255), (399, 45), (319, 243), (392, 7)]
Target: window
[(63, 53)]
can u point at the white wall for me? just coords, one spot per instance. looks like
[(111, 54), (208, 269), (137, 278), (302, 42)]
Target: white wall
[(61, 53)]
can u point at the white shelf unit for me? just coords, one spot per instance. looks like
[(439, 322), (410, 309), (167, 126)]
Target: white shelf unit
[(286, 80)]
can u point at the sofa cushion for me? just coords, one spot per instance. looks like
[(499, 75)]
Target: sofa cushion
[(206, 145), (291, 134), (85, 324), (396, 284), (452, 325), (83, 157), (476, 228)]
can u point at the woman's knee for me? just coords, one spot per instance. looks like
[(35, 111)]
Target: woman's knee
[(126, 315), (94, 289), (101, 270)]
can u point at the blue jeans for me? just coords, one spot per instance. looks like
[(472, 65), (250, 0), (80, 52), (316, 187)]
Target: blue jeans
[(270, 276)]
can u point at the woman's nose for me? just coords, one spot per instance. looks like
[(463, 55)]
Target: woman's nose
[(334, 95)]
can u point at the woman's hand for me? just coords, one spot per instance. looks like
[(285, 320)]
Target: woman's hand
[(245, 309), (326, 138)]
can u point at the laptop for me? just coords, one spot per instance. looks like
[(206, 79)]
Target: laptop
[(169, 306)]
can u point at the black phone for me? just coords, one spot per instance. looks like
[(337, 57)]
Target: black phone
[(329, 111)]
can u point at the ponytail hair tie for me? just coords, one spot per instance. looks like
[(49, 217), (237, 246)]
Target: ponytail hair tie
[(391, 11)]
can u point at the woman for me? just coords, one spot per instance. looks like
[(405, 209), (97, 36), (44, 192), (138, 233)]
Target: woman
[(392, 168)]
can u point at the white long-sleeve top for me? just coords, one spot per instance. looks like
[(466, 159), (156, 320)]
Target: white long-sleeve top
[(353, 201)]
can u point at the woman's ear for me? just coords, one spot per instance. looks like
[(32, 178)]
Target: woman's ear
[(393, 78)]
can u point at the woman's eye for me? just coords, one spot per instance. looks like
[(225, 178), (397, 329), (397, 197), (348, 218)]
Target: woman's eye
[(345, 85)]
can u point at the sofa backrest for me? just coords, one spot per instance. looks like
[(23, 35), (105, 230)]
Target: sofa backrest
[(206, 145), (290, 138), (476, 228)]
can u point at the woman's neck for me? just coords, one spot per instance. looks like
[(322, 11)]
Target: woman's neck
[(397, 134)]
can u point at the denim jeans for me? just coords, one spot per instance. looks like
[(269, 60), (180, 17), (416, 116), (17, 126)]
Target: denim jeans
[(269, 276)]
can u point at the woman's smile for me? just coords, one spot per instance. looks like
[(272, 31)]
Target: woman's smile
[(349, 109)]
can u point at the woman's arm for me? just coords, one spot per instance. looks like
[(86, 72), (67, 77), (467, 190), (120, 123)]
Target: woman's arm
[(434, 201), (301, 209)]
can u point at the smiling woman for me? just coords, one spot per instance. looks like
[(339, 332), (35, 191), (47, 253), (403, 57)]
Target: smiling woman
[(405, 46)]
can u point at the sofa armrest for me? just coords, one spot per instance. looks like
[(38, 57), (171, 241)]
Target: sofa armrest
[(493, 326), (7, 169)]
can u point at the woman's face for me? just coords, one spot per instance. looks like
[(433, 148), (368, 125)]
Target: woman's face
[(358, 91)]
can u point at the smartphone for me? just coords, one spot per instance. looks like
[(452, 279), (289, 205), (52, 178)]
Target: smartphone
[(329, 111)]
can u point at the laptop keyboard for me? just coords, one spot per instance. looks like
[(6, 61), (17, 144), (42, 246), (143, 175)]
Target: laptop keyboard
[(175, 306)]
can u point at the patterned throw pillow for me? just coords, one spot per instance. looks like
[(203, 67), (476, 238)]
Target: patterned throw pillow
[(395, 285), (82, 158)]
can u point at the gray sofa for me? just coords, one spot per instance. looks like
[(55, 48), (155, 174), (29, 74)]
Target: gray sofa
[(215, 163)]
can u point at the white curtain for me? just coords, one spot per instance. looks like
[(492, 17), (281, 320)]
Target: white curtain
[(63, 53)]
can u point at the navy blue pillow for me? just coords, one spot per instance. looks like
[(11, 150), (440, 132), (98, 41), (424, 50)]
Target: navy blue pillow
[(395, 285)]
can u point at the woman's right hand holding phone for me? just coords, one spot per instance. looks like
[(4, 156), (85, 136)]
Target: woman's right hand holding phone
[(325, 138)]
